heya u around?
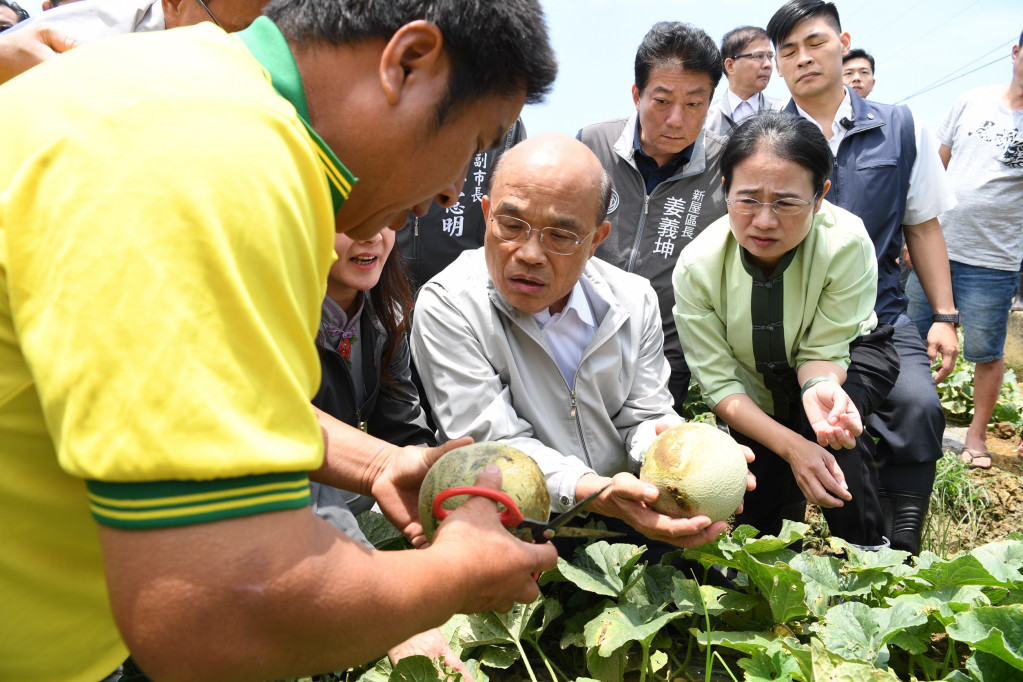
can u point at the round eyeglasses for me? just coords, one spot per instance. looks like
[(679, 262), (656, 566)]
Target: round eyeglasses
[(747, 206), (553, 239)]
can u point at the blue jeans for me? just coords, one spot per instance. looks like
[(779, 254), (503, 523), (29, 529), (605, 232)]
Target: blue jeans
[(983, 297)]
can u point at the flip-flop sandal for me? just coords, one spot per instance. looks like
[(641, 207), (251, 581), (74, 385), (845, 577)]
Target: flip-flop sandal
[(969, 457)]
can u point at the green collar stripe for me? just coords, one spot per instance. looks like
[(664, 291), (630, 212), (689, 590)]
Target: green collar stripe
[(266, 43)]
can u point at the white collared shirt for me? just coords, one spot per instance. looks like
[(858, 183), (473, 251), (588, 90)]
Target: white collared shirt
[(838, 131), (734, 101), (569, 332)]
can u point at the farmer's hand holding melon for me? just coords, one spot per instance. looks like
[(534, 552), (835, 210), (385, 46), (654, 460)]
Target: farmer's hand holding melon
[(468, 520)]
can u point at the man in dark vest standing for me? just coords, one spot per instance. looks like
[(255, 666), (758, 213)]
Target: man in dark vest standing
[(887, 171)]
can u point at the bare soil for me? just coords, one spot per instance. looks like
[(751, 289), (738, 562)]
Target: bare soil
[(1004, 485)]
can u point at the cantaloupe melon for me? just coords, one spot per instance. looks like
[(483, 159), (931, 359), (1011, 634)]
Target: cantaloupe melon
[(522, 480), (699, 469)]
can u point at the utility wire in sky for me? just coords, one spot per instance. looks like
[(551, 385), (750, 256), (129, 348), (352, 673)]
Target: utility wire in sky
[(948, 80), (918, 40), (952, 75)]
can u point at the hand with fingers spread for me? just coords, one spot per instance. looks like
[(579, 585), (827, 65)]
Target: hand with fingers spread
[(833, 416), (503, 564)]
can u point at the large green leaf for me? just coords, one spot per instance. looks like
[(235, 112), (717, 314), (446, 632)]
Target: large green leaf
[(825, 578), (617, 626), (602, 568), (606, 667), (744, 539), (790, 533), (415, 669), (746, 642), (496, 656), (858, 632), (572, 632), (780, 584), (944, 604), (552, 608), (962, 570), (778, 666), (654, 587), (857, 558), (1003, 560), (830, 666), (996, 630), (691, 597), (982, 667), (494, 628)]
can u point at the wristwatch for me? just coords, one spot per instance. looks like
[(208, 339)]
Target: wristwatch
[(946, 317)]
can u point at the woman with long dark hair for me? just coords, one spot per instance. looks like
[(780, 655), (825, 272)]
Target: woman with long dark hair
[(367, 383), (364, 353)]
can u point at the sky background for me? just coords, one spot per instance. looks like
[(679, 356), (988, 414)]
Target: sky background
[(917, 44)]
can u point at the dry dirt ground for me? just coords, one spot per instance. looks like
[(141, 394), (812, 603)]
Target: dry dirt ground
[(1004, 486)]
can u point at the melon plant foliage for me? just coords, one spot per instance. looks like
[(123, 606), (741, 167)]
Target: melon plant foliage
[(605, 614)]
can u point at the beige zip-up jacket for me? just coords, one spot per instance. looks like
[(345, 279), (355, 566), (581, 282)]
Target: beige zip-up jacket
[(489, 373)]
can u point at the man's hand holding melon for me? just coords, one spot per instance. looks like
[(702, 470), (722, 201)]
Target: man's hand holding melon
[(637, 501)]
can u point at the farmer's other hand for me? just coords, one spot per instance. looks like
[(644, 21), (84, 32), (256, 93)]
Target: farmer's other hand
[(434, 646), (22, 49), (494, 569), (628, 498), (396, 486)]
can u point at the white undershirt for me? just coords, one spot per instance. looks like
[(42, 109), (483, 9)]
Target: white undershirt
[(569, 332)]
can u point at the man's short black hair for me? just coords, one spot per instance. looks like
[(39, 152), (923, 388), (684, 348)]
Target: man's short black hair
[(737, 40), (676, 44), (795, 12), (1021, 39), (18, 10), (859, 53), (496, 47)]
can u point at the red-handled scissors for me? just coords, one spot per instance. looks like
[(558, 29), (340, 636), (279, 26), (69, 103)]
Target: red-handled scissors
[(512, 519)]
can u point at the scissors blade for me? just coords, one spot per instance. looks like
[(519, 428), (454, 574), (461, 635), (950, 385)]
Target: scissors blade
[(573, 511), (573, 532)]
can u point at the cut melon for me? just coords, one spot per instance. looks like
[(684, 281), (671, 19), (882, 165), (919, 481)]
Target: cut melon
[(522, 480)]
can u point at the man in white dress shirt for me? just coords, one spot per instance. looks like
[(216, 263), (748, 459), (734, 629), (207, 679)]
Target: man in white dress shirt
[(748, 59)]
